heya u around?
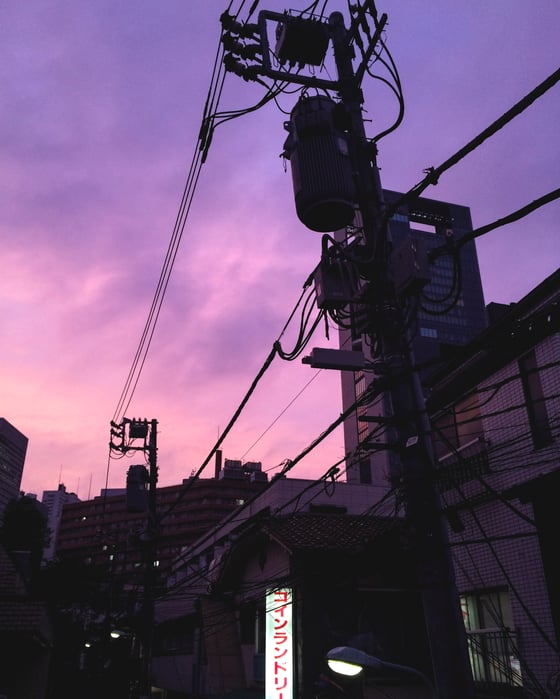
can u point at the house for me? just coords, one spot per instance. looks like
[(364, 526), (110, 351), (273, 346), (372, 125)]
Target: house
[(327, 567)]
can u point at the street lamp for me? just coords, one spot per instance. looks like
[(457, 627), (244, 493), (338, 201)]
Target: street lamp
[(348, 661)]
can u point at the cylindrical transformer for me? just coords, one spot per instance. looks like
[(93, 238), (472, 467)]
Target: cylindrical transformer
[(319, 157), (137, 482)]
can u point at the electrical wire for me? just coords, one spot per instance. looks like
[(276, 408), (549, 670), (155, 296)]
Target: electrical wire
[(303, 338), (434, 173), (282, 412), (210, 120), (288, 464), (538, 627), (510, 218), (240, 522), (496, 613)]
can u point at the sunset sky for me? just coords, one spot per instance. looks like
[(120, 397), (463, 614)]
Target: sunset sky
[(102, 102)]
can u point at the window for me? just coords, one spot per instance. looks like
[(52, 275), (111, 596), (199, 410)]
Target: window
[(424, 227), (260, 630), (535, 400), (365, 471), (175, 638), (459, 426), (459, 443), (428, 332), (491, 640)]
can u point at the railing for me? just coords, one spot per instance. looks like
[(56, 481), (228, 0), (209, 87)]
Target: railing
[(455, 469), (494, 658)]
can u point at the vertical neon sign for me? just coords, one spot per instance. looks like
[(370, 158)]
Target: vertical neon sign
[(279, 677)]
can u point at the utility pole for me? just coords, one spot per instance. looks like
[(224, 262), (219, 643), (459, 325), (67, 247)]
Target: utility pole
[(411, 428), (141, 496), (410, 433)]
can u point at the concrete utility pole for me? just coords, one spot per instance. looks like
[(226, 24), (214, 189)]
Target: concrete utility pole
[(152, 532), (142, 497), (410, 431)]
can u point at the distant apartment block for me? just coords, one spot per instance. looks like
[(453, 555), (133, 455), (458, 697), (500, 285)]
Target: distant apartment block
[(54, 501), (101, 532)]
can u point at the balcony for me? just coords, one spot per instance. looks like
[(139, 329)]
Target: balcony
[(495, 661), (463, 464)]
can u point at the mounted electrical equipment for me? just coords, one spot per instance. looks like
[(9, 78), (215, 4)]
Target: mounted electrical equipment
[(319, 154), (336, 282)]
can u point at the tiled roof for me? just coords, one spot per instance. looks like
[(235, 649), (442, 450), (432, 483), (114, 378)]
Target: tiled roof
[(328, 532)]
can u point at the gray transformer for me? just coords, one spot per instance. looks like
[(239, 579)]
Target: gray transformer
[(137, 485), (318, 150)]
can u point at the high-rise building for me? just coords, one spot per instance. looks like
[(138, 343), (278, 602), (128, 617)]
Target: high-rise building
[(54, 501), (13, 447), (443, 316)]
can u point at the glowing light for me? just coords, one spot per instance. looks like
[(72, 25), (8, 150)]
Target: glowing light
[(343, 668)]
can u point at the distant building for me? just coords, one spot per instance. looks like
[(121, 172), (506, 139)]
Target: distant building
[(101, 532), (13, 447), (54, 501), (450, 312), (330, 566)]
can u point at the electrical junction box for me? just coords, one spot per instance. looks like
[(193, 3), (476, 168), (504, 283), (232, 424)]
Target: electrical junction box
[(301, 41), (410, 266), (335, 284)]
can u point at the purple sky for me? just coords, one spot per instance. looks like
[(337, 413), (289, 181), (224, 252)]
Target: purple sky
[(101, 108)]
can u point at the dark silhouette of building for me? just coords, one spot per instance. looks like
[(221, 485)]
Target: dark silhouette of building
[(54, 501), (102, 533), (13, 447), (495, 410), (26, 636)]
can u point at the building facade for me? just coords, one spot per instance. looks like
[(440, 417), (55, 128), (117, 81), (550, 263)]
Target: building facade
[(495, 415), (13, 448), (54, 501), (102, 532)]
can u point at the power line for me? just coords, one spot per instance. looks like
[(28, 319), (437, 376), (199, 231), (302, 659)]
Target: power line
[(434, 173), (510, 218)]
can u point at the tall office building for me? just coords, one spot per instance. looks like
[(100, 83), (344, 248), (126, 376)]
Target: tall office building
[(13, 447), (54, 501), (450, 312)]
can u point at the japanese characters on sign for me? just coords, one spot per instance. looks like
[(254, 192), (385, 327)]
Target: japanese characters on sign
[(279, 644)]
